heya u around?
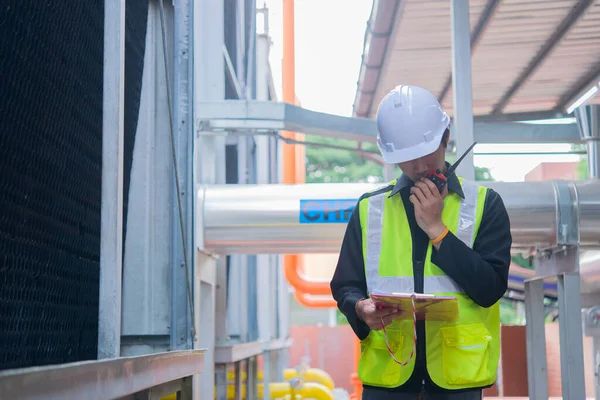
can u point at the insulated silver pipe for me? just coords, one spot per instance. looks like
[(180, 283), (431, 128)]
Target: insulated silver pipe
[(311, 218)]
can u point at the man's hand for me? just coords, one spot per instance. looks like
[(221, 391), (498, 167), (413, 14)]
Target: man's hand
[(368, 312), (429, 203)]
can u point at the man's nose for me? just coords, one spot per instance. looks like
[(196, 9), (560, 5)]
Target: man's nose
[(421, 168)]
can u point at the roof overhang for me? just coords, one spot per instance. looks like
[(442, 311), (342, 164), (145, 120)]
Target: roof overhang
[(528, 57)]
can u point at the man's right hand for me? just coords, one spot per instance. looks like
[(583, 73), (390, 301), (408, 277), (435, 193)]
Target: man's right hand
[(368, 312)]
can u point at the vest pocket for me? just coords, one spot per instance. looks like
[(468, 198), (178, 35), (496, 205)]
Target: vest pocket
[(376, 366), (465, 354)]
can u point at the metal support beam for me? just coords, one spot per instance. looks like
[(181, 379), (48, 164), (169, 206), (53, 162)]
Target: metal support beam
[(251, 378), (593, 158), (571, 336), (111, 236), (222, 306), (106, 379), (561, 262), (147, 304), (231, 74), (227, 354), (587, 81), (596, 366), (588, 121), (462, 85), (209, 168), (537, 372), (256, 116), (482, 24), (182, 210), (157, 392), (264, 290), (240, 32), (238, 380), (221, 381)]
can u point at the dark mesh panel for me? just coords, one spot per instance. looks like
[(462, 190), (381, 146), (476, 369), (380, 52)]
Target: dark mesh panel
[(50, 173)]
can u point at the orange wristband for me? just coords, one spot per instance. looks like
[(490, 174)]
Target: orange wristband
[(440, 238)]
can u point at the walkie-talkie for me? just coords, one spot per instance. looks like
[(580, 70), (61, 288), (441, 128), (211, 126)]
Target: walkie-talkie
[(440, 179)]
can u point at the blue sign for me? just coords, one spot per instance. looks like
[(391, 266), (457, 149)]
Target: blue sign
[(326, 211)]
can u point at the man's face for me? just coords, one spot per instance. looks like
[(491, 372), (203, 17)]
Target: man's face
[(420, 168)]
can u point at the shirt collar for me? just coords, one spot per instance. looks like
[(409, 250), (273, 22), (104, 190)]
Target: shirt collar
[(453, 184)]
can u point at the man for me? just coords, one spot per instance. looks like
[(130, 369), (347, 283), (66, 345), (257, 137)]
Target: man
[(408, 237)]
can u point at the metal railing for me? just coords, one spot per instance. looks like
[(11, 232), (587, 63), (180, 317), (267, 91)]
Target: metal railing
[(141, 377)]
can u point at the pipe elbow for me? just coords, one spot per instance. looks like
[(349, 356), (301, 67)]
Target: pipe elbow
[(306, 300), (313, 390), (299, 283)]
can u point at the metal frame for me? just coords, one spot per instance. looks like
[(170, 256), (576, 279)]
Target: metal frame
[(147, 304), (591, 78), (181, 321), (255, 117), (111, 236), (588, 122), (562, 263), (193, 72), (252, 278), (462, 85), (201, 66), (106, 379)]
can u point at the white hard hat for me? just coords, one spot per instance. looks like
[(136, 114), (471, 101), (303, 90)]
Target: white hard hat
[(411, 124)]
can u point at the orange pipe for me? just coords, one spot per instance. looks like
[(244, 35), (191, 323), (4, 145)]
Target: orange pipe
[(354, 377), (289, 88), (290, 163), (307, 300), (299, 283)]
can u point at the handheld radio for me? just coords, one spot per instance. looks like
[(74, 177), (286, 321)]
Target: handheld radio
[(440, 179)]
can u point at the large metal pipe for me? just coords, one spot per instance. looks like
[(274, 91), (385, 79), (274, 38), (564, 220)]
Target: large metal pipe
[(290, 219)]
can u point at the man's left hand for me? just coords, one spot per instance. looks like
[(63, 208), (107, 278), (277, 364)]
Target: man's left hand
[(429, 203)]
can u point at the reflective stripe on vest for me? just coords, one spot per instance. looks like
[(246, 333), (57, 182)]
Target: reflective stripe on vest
[(405, 284)]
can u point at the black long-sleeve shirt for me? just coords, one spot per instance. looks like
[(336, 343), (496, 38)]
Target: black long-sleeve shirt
[(482, 271)]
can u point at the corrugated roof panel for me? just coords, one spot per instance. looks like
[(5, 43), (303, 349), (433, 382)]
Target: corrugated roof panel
[(419, 53), (572, 59), (511, 41)]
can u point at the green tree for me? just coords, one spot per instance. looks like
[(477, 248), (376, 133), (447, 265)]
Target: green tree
[(483, 174), (327, 165), (582, 168)]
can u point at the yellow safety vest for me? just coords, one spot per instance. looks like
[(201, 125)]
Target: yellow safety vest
[(461, 354)]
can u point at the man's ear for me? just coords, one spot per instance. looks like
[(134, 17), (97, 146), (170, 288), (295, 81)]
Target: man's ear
[(446, 137)]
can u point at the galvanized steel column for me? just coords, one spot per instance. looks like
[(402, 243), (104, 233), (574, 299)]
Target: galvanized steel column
[(462, 86), (588, 122), (209, 159), (111, 236)]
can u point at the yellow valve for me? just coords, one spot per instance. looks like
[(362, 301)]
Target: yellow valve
[(281, 390), (306, 390), (310, 375)]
